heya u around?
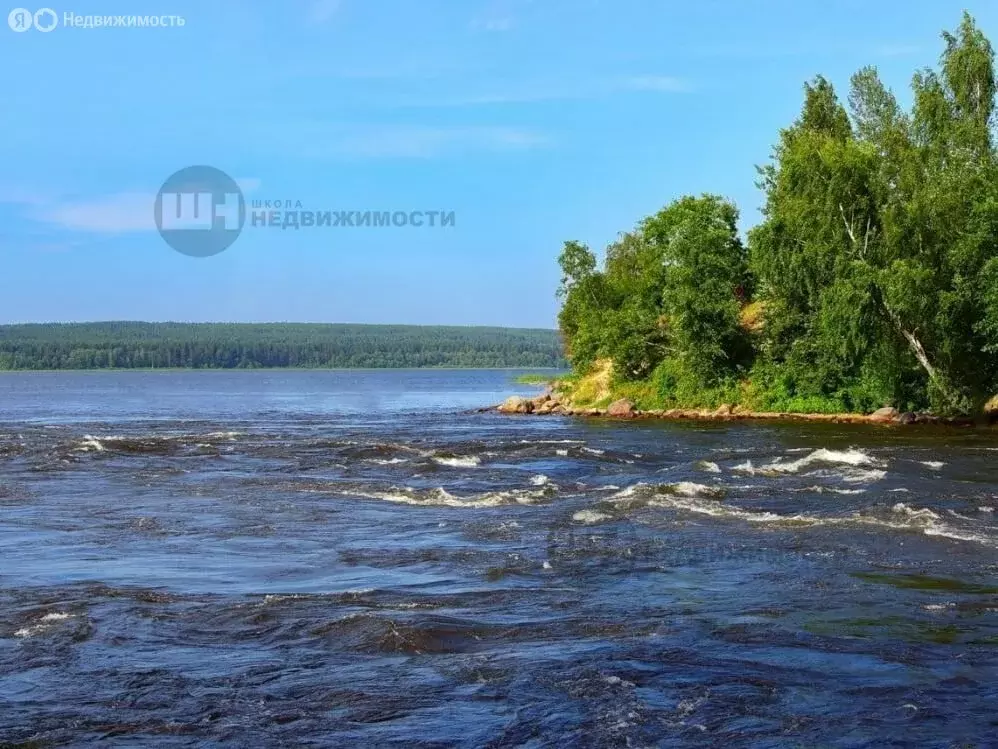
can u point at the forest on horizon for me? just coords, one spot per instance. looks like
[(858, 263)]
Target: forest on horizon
[(143, 345)]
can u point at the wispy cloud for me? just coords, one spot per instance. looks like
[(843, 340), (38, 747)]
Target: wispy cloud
[(38, 246), (544, 91), (498, 15), (321, 11), (111, 214), (663, 83), (383, 72), (409, 141), (115, 213), (495, 23), (763, 50), (29, 196), (760, 50), (121, 212)]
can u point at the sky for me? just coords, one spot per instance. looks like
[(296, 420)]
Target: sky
[(533, 121)]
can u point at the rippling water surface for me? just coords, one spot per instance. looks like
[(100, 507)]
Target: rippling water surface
[(351, 558)]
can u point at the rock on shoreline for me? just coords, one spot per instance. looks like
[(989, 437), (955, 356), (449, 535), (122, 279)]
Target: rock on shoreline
[(551, 402)]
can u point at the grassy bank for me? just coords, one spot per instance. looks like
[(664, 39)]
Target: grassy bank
[(599, 387), (538, 378)]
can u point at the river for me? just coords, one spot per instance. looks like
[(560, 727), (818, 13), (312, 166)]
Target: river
[(357, 558)]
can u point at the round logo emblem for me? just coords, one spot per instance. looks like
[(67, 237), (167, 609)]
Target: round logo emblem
[(19, 19), (200, 211), (46, 20)]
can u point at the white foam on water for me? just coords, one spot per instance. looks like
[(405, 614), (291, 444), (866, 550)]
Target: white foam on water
[(821, 456), (938, 606), (716, 509), (593, 450), (935, 465), (616, 680), (90, 443), (863, 477), (957, 536), (985, 508), (692, 489), (915, 513), (956, 514), (56, 616), (924, 520), (708, 466), (562, 453), (698, 499), (552, 442), (459, 461), (852, 466), (539, 480), (681, 489), (43, 624), (440, 497), (590, 516), (386, 461), (271, 598), (830, 490)]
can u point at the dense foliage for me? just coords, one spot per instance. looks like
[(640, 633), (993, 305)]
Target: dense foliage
[(216, 345), (871, 280)]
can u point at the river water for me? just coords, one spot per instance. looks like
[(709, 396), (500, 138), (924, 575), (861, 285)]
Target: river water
[(353, 559)]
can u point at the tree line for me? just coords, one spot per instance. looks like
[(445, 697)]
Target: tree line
[(871, 279), (132, 345)]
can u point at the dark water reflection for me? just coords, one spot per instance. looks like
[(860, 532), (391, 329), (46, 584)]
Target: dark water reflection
[(265, 558)]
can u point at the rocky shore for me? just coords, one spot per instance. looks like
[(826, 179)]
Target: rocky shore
[(553, 403)]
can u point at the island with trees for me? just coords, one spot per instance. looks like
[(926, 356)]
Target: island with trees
[(870, 281)]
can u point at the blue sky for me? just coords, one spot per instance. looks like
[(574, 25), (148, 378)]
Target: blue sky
[(534, 121)]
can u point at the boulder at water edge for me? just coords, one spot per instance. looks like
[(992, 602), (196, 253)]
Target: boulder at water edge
[(622, 408), (516, 405)]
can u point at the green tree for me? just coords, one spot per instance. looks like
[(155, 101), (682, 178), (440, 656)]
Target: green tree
[(879, 237), (670, 289), (705, 280)]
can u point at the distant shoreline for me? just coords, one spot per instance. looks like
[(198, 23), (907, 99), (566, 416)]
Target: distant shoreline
[(168, 370), (196, 346)]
